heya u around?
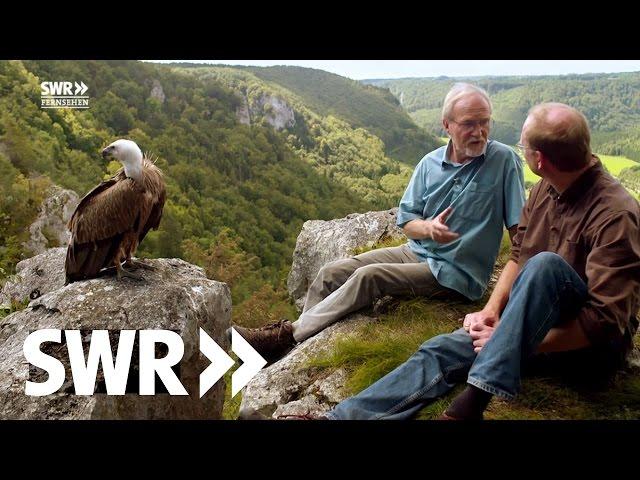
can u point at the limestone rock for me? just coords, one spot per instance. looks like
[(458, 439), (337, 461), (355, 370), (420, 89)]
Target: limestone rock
[(35, 277), (49, 229), (321, 242), (174, 296), (157, 92)]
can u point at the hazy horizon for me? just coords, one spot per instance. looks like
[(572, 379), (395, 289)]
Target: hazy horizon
[(396, 69)]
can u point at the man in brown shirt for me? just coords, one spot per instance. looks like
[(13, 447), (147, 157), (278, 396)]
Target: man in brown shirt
[(572, 284)]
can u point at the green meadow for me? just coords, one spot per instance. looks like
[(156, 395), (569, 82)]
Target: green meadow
[(614, 164)]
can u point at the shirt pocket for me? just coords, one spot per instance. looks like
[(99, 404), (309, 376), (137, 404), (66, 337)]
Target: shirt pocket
[(475, 202)]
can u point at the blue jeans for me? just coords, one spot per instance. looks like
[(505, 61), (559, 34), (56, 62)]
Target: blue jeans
[(546, 292)]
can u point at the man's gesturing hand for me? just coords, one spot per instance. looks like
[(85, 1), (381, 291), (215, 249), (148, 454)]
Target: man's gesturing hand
[(438, 230)]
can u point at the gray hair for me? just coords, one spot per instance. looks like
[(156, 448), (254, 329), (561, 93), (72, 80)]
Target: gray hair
[(458, 91)]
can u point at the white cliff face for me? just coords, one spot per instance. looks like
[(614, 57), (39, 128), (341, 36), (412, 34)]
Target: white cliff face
[(242, 112), (157, 92), (277, 112), (274, 111), (174, 296)]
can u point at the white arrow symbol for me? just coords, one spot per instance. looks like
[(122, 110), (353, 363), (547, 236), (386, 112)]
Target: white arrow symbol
[(78, 88), (84, 88), (252, 362), (220, 362)]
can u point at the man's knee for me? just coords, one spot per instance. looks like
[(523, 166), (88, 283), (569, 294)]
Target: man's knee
[(546, 262), (369, 274), (449, 349), (335, 268), (446, 342)]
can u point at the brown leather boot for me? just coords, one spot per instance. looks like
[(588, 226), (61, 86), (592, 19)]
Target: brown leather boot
[(272, 341)]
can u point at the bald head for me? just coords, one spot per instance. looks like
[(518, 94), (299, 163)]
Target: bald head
[(561, 133)]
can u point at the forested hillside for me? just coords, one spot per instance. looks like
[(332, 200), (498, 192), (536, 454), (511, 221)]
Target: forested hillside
[(351, 156), (358, 104), (237, 194)]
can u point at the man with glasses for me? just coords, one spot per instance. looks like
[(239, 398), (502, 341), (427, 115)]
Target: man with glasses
[(568, 296), (453, 211)]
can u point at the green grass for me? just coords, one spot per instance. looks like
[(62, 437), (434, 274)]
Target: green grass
[(615, 164), (388, 242), (378, 347), (14, 307), (231, 406)]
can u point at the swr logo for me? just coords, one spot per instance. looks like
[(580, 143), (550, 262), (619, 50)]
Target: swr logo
[(62, 88), (116, 374)]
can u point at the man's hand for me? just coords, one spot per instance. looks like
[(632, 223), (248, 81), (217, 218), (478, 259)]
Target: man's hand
[(480, 326), (483, 317), (480, 333), (438, 230)]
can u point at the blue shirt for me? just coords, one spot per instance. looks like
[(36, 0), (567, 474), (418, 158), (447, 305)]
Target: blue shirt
[(486, 193)]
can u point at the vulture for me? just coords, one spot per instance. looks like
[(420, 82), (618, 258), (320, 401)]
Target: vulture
[(113, 218)]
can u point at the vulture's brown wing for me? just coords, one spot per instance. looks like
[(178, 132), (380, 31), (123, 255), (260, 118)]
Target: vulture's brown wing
[(98, 225), (154, 217), (109, 209), (156, 186)]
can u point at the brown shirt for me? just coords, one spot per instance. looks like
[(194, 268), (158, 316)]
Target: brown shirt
[(595, 226)]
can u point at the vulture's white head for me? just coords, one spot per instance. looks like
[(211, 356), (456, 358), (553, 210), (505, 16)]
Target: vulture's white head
[(129, 154)]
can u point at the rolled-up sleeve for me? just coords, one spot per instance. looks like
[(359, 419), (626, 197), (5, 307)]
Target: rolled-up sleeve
[(613, 274), (514, 193), (412, 203)]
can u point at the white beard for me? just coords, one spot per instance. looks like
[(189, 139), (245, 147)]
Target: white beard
[(475, 152)]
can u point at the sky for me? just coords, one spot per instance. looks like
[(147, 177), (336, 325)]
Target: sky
[(361, 69)]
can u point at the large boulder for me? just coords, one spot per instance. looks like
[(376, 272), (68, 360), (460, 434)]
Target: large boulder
[(175, 295), (321, 242), (49, 229), (34, 277)]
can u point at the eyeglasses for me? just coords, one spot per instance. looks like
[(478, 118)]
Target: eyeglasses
[(471, 124), (521, 148)]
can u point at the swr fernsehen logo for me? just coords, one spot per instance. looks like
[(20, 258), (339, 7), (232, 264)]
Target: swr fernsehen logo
[(64, 95), (116, 374)]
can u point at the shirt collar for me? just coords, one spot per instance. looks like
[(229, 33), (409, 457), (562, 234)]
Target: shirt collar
[(580, 185)]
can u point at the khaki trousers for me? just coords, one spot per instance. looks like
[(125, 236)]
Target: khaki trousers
[(347, 285)]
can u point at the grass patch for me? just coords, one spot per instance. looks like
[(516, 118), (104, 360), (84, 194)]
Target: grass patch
[(14, 307), (550, 398), (615, 164), (385, 243), (231, 406), (379, 347)]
